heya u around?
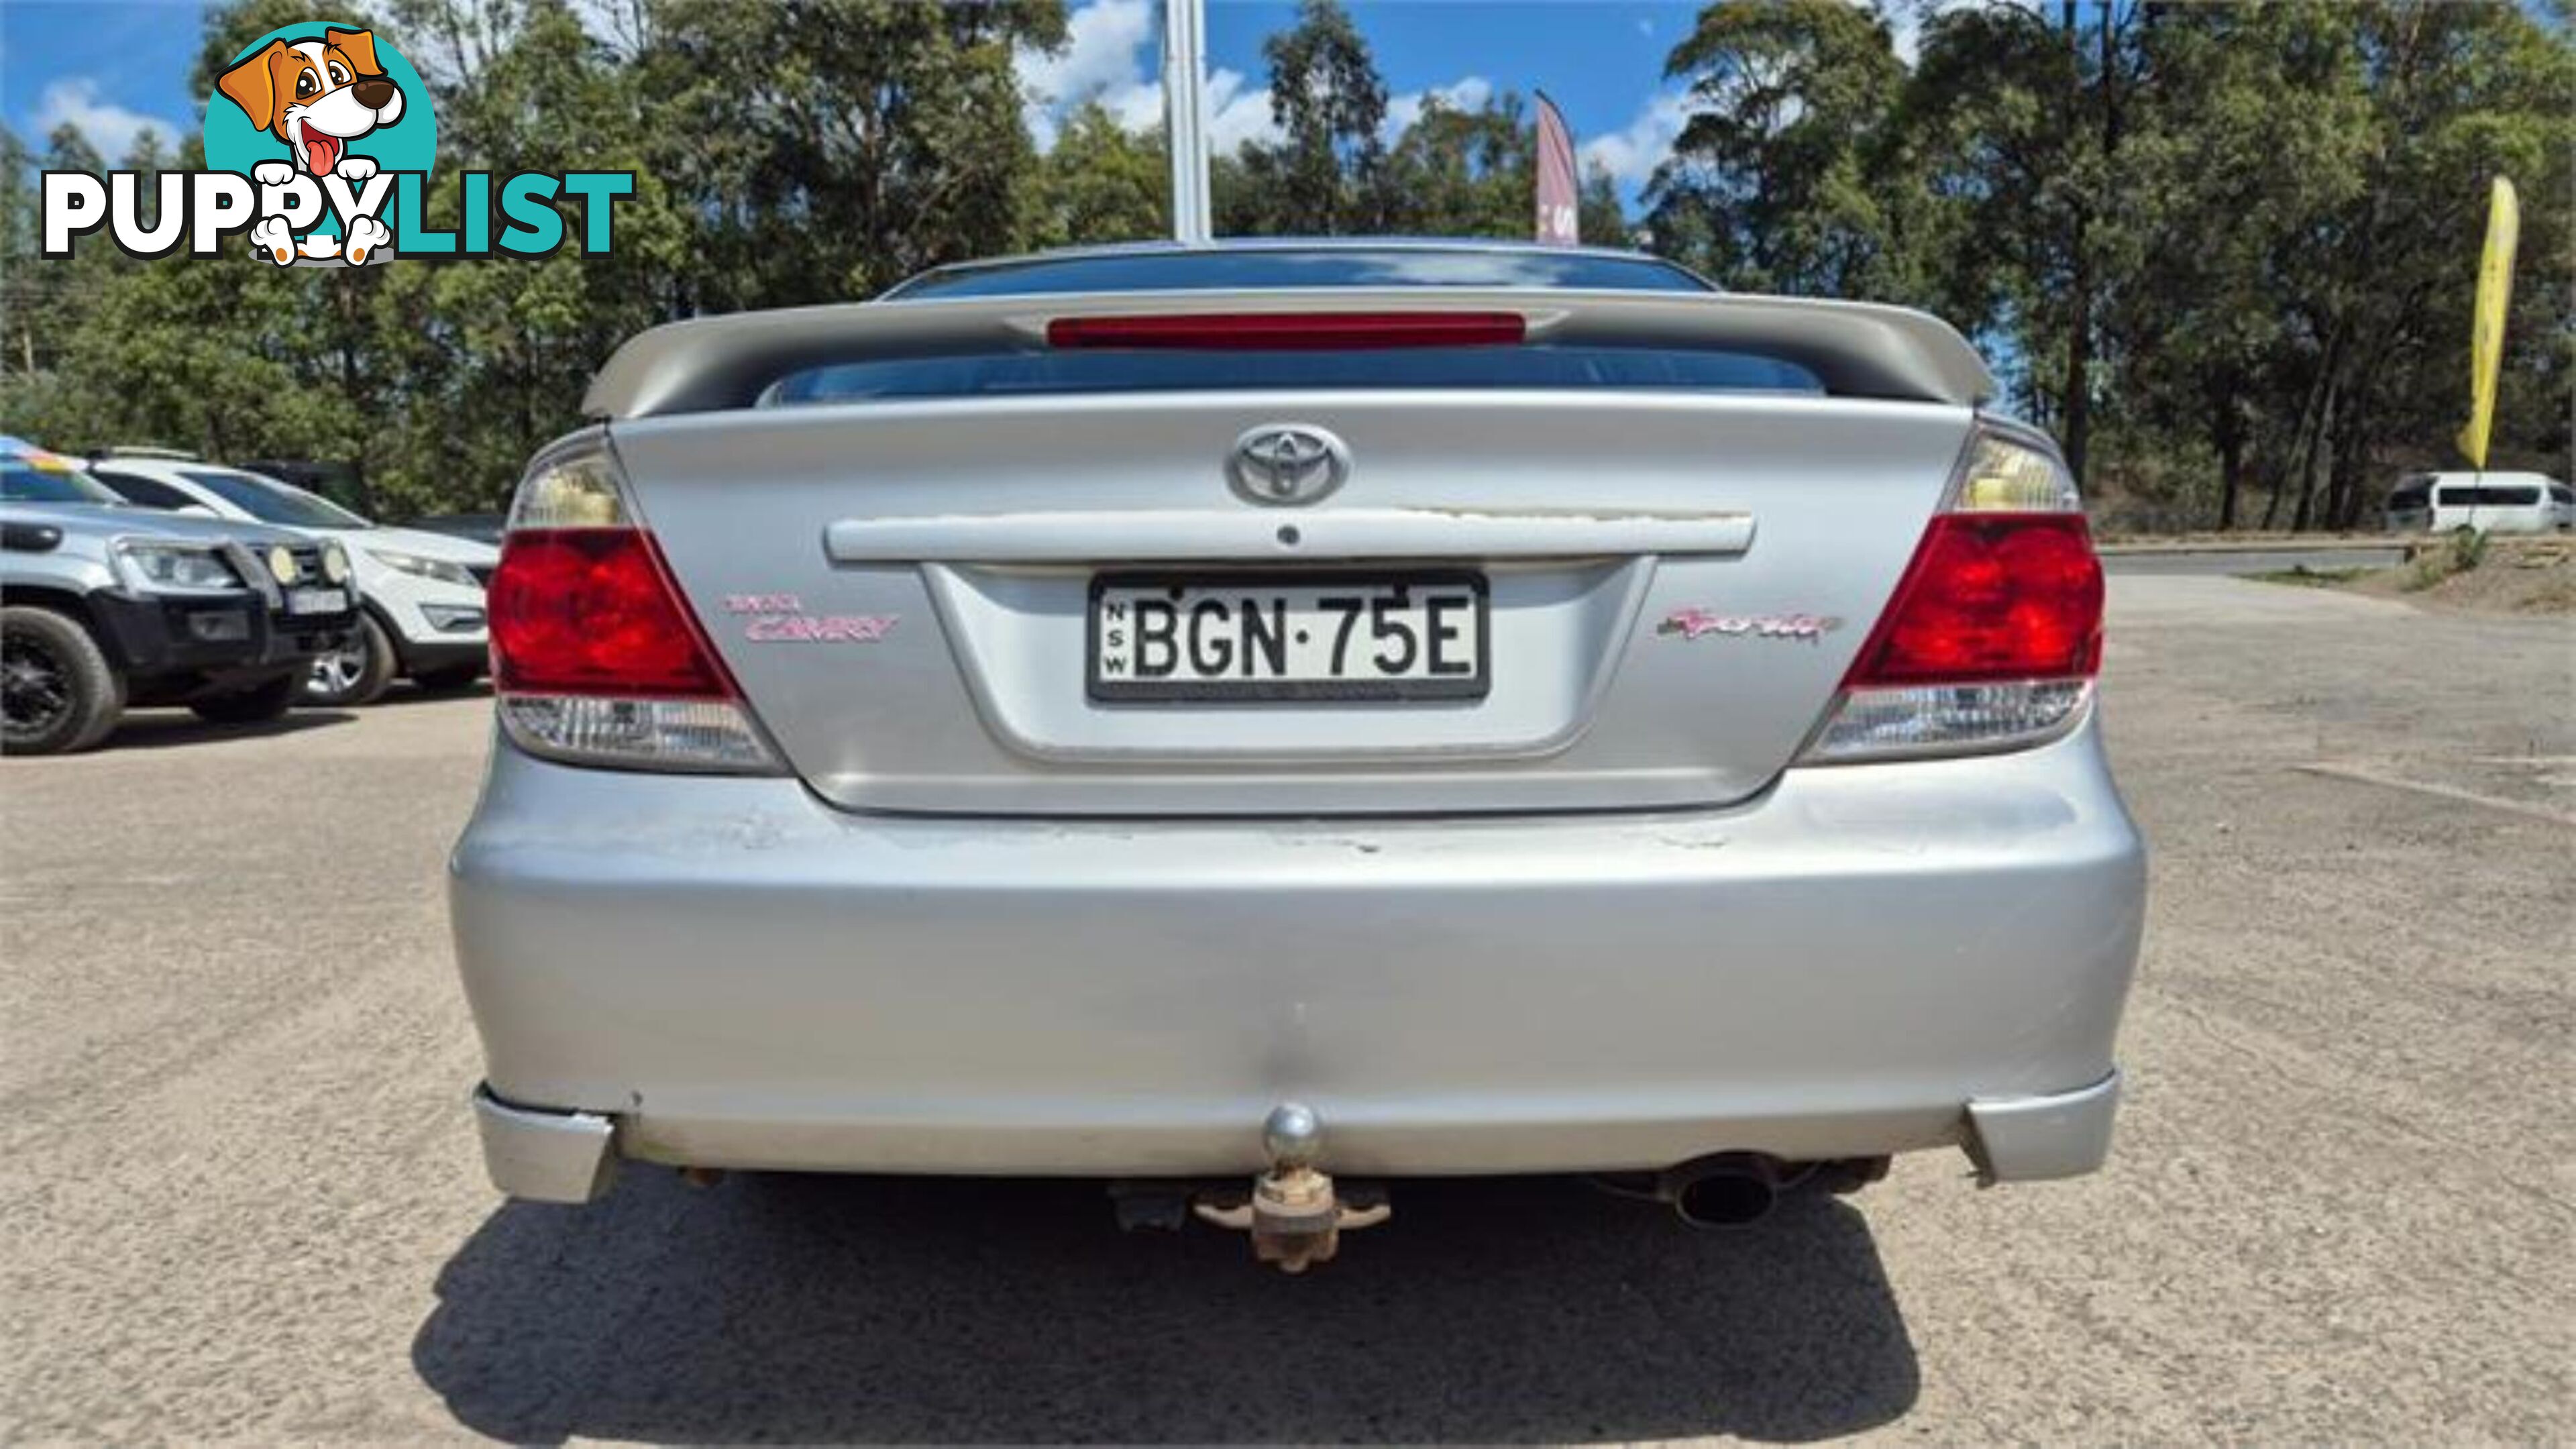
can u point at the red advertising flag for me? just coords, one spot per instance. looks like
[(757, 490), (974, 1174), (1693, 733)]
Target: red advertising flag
[(1556, 178)]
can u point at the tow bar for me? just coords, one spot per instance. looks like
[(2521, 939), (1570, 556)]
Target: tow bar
[(1295, 1215)]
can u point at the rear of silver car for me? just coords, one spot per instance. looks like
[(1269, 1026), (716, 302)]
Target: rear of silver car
[(1525, 730)]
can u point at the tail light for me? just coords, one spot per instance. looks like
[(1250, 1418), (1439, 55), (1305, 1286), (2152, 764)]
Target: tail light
[(596, 658), (1994, 633)]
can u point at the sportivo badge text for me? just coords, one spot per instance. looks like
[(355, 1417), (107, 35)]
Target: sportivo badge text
[(1697, 623)]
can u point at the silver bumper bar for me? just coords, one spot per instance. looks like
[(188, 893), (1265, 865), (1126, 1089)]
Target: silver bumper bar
[(571, 1157), (545, 1156)]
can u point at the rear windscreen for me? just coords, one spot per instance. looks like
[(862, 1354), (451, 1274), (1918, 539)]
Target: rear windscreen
[(1034, 373)]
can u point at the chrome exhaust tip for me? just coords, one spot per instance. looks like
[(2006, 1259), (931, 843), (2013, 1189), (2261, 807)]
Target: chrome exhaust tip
[(1726, 1190)]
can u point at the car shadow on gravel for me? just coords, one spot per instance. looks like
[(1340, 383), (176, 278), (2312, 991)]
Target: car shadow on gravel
[(872, 1309), (161, 729), (405, 693)]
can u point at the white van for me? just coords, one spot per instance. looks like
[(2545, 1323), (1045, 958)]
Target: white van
[(2487, 502)]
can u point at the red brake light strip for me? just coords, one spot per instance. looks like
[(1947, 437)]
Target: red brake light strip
[(1289, 331)]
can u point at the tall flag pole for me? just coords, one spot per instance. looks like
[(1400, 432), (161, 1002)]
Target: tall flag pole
[(1558, 208), (2486, 332), (1184, 117)]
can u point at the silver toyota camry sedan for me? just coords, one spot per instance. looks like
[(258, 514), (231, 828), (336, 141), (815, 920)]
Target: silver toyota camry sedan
[(1258, 722)]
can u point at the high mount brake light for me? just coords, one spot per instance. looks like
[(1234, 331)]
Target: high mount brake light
[(595, 655), (1994, 633), (1290, 331)]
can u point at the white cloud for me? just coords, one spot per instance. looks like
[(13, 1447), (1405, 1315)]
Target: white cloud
[(1906, 19), (1905, 33), (1113, 55), (1631, 155), (1467, 93), (1235, 117), (111, 128), (1109, 56)]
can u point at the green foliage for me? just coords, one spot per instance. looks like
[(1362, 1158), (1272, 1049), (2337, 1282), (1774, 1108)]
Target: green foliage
[(1103, 183), (1780, 180), (2225, 250), (2218, 248), (1327, 177), (2462, 552), (784, 154)]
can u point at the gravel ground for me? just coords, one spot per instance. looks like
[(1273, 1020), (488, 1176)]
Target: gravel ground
[(246, 1201), (2519, 576)]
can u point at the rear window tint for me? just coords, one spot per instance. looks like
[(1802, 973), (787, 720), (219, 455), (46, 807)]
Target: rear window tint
[(1220, 269), (1020, 374)]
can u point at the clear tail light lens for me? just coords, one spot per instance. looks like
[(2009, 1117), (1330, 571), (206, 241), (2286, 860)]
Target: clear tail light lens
[(637, 734), (1957, 719), (1994, 633), (596, 658)]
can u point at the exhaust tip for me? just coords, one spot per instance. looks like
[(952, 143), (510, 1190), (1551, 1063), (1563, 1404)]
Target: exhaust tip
[(1723, 1190), (1724, 1200)]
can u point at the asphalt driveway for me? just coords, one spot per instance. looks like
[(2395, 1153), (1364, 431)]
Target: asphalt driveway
[(244, 1199)]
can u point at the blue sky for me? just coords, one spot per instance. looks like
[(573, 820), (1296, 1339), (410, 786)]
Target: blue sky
[(114, 66)]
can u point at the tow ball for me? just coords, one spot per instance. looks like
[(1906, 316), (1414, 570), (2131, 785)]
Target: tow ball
[(1295, 1215)]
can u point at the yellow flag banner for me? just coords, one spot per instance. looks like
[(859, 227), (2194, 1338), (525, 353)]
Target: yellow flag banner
[(2486, 336)]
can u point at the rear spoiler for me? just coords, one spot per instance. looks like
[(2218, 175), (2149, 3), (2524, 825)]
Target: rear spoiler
[(1856, 349)]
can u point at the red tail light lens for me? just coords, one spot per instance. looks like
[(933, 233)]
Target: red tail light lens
[(1991, 596), (1291, 331), (591, 611)]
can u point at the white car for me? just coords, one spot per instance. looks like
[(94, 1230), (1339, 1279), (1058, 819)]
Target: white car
[(424, 615), (2487, 502)]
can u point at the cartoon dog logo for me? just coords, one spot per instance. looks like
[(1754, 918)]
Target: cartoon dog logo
[(316, 96)]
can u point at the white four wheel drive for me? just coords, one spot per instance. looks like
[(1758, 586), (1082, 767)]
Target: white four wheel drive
[(424, 617)]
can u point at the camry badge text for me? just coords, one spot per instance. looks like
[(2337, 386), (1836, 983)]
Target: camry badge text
[(781, 619)]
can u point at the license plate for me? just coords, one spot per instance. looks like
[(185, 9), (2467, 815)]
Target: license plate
[(316, 601), (1288, 637)]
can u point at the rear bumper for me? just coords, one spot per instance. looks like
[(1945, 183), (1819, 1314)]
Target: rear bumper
[(571, 1157), (725, 972)]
